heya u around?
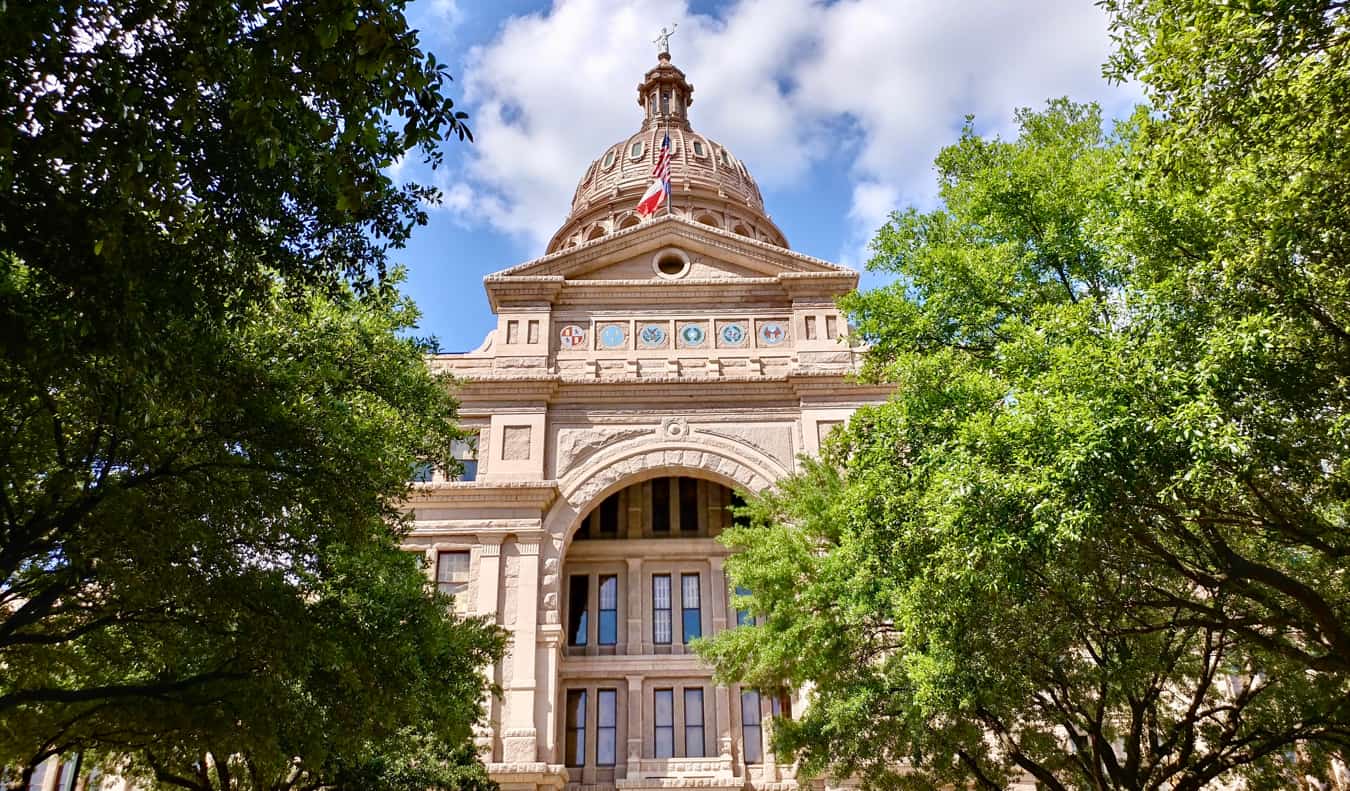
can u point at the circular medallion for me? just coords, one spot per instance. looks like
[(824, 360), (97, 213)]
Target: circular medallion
[(572, 337), (692, 335), (612, 336), (733, 334), (771, 333), (653, 335)]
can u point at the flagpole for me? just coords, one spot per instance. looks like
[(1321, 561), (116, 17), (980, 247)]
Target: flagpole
[(670, 191)]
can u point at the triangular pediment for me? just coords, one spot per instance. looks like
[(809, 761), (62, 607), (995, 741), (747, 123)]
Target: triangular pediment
[(715, 253)]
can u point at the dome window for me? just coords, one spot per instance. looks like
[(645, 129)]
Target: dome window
[(725, 161), (671, 263), (698, 148), (636, 150), (609, 158)]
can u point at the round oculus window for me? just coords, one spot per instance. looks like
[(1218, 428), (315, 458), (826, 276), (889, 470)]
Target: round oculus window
[(671, 263)]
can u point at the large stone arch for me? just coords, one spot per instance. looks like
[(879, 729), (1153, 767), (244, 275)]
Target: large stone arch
[(672, 452)]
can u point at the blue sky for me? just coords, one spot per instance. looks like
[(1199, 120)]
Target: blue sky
[(837, 108)]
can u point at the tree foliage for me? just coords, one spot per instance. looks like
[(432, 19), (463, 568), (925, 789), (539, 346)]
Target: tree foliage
[(210, 407), (1098, 535)]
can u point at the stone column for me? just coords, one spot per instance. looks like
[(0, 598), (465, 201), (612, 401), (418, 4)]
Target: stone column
[(718, 578), (634, 726), (633, 605), (488, 592), (489, 576), (719, 623), (723, 697), (520, 742), (547, 686)]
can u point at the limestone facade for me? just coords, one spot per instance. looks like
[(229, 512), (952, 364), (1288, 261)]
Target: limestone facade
[(641, 373)]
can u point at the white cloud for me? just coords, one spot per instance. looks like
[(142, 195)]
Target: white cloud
[(776, 80)]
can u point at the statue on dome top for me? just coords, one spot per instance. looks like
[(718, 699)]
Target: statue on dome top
[(662, 41)]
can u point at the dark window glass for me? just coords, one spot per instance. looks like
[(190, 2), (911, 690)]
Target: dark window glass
[(578, 596), (661, 505), (693, 723), (665, 722), (608, 625), (743, 617), (466, 452), (689, 607), (609, 516), (661, 609), (576, 727), (780, 705), (605, 718), (688, 505), (737, 501), (752, 732)]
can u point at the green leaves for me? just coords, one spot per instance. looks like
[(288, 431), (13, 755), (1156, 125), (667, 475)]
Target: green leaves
[(1098, 534), (210, 411)]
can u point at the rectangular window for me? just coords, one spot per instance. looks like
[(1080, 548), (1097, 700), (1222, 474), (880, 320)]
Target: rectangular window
[(513, 332), (465, 452), (608, 625), (532, 334), (743, 617), (692, 620), (609, 517), (693, 723), (831, 327), (578, 600), (665, 722), (780, 705), (810, 328), (576, 727), (661, 609), (752, 732), (688, 505), (661, 505), (452, 571), (606, 715), (422, 472)]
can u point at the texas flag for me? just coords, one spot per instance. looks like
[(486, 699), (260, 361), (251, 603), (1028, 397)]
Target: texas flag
[(659, 191)]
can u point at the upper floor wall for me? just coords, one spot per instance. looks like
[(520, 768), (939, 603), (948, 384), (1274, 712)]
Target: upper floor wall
[(672, 297)]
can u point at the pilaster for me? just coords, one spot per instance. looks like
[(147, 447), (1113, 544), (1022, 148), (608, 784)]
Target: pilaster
[(634, 605), (520, 742), (634, 724)]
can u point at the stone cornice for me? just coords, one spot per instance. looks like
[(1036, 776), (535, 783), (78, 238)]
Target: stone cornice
[(507, 388), (656, 232), (501, 494), (797, 387)]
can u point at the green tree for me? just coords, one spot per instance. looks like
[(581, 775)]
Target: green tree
[(1003, 570), (224, 577), (209, 412), (1241, 232)]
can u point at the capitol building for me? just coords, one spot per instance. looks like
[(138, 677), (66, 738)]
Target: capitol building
[(642, 372)]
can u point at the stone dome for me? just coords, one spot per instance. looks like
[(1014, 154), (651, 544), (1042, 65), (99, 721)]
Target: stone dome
[(708, 183)]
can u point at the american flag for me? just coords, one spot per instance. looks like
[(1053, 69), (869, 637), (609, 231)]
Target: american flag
[(662, 169), (659, 190)]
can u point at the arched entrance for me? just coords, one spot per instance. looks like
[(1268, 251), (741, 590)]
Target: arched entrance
[(621, 694)]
